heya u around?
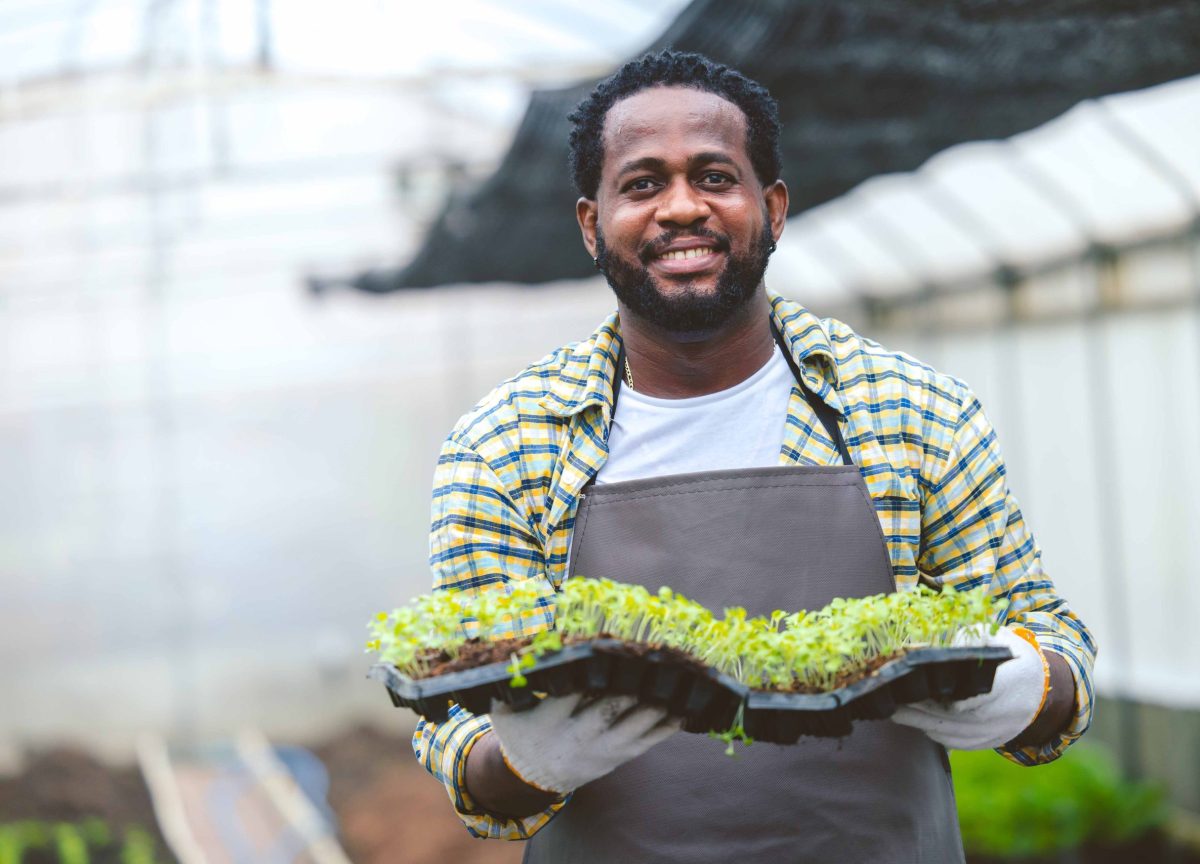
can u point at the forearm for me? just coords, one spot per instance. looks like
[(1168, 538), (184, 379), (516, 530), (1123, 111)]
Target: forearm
[(1057, 710), (495, 788), (480, 539)]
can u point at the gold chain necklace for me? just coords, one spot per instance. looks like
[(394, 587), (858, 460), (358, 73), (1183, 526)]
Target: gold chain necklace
[(629, 372)]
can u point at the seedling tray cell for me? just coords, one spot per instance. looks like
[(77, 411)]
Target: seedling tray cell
[(627, 675), (556, 681), (948, 674), (597, 672), (786, 727), (712, 703), (664, 679), (706, 699)]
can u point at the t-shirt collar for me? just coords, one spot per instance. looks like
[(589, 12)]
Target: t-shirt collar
[(586, 379)]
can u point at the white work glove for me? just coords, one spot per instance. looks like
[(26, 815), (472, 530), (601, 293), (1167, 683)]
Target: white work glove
[(990, 719), (567, 741)]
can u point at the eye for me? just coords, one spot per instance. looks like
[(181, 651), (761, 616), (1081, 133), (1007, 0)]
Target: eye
[(715, 178), (641, 184)]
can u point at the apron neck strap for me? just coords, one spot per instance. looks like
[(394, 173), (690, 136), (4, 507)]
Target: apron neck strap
[(827, 415)]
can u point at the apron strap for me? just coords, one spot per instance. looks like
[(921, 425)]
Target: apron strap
[(827, 415)]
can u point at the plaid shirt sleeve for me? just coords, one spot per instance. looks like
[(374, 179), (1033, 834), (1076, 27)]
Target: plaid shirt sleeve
[(972, 533), (479, 540)]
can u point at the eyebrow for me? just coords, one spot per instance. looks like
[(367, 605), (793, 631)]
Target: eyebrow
[(654, 163)]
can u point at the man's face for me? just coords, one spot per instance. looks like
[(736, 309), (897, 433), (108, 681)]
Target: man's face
[(681, 225)]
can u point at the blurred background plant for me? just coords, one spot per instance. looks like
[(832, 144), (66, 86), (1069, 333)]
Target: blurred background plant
[(87, 842), (1078, 808)]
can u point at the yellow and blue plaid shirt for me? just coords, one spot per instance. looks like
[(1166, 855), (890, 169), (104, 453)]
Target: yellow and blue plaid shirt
[(509, 477)]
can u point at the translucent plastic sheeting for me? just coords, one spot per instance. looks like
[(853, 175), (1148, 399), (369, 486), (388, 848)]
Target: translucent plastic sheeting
[(1114, 171), (40, 38)]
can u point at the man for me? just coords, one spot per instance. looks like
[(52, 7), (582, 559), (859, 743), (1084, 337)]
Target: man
[(756, 456)]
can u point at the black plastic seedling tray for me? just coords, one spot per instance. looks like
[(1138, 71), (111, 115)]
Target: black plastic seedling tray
[(707, 700), (947, 674), (704, 698)]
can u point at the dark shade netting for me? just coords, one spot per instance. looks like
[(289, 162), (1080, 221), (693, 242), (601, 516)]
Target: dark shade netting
[(864, 88)]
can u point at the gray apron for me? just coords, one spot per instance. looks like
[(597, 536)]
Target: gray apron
[(790, 537)]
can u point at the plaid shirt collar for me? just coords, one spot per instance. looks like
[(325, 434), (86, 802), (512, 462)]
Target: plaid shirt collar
[(587, 374)]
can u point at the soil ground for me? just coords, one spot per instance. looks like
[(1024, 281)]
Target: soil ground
[(68, 785), (391, 811)]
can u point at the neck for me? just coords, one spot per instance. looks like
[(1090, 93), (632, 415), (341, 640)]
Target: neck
[(680, 365)]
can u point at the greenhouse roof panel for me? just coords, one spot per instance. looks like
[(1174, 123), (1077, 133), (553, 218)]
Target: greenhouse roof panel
[(351, 38), (1111, 171)]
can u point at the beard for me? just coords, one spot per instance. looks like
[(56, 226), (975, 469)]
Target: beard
[(687, 310)]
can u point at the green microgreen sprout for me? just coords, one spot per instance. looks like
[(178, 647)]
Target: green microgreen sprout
[(519, 664), (806, 651), (736, 732)]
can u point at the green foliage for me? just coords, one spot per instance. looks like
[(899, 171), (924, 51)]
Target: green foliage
[(139, 848), (1009, 810), (412, 636), (518, 665), (783, 651), (736, 732), (74, 842)]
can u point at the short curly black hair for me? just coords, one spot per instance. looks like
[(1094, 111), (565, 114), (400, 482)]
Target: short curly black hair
[(673, 69)]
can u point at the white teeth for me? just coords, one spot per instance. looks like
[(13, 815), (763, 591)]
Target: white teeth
[(683, 254)]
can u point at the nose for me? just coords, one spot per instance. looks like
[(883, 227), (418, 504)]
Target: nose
[(681, 204)]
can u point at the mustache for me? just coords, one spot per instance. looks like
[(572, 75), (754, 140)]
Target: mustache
[(659, 244)]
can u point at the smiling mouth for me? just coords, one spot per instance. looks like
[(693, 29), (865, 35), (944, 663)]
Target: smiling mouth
[(684, 254)]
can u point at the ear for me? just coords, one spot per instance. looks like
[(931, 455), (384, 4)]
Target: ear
[(585, 213), (776, 197)]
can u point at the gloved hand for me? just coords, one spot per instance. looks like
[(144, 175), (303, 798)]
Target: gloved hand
[(567, 741), (990, 719)]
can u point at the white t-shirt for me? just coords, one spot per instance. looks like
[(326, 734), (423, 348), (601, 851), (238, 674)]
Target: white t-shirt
[(741, 427)]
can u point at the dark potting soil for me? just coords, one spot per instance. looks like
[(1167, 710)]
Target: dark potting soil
[(69, 785), (477, 652), (474, 652), (850, 676)]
